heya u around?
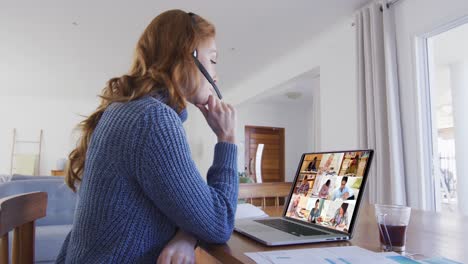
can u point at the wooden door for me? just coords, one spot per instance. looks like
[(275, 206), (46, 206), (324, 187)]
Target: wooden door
[(273, 152)]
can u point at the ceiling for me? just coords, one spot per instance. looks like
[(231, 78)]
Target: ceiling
[(71, 48), (298, 91)]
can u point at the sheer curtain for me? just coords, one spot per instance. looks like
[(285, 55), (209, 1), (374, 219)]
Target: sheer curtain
[(379, 104)]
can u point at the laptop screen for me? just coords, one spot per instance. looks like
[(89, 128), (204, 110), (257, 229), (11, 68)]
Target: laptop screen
[(328, 187)]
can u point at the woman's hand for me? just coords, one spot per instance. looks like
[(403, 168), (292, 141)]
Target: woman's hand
[(221, 117), (180, 250)]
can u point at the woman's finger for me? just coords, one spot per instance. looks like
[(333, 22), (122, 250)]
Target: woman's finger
[(211, 102), (178, 259), (203, 110), (162, 259), (189, 260), (186, 260), (218, 103), (227, 107)]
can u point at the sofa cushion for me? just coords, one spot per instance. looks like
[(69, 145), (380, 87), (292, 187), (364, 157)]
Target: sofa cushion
[(21, 177), (49, 241)]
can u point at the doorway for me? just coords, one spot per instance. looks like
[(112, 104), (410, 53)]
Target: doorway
[(444, 69), (272, 157)]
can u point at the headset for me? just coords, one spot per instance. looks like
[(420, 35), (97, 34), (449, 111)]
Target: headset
[(200, 66)]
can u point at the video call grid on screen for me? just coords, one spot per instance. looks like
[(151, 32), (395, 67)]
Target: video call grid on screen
[(327, 188)]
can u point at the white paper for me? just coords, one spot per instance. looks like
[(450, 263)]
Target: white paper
[(329, 255), (248, 211)]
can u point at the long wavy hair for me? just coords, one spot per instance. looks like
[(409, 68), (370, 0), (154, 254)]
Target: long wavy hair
[(162, 64)]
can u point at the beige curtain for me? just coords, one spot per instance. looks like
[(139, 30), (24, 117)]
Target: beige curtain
[(379, 104)]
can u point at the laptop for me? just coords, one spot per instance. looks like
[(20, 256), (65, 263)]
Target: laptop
[(323, 203)]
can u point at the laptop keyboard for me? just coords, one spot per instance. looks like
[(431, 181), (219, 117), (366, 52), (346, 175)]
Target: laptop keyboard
[(291, 228)]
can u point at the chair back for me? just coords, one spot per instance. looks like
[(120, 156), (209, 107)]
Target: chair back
[(18, 213), (61, 201), (264, 190)]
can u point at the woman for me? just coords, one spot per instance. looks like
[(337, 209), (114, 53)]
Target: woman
[(340, 220), (294, 206), (352, 168), (329, 161), (323, 193), (304, 187), (315, 212), (312, 165), (141, 197)]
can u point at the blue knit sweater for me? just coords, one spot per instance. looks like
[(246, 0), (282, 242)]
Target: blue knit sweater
[(140, 185)]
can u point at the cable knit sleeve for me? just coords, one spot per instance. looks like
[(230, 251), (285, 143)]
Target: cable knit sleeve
[(170, 178)]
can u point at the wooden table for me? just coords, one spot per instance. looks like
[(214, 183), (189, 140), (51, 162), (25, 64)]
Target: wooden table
[(429, 234)]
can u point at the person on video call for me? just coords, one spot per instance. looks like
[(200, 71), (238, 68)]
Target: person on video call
[(323, 193), (340, 220), (142, 198), (294, 209), (315, 212), (312, 165), (352, 168), (343, 192), (304, 187), (326, 166)]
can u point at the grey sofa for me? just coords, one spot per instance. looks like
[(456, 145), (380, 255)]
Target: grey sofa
[(52, 229), (21, 177)]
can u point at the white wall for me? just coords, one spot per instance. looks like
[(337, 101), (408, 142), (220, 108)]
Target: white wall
[(297, 130), (56, 116), (333, 51), (415, 18)]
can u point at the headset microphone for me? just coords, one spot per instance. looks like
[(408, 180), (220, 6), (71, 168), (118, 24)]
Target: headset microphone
[(206, 74)]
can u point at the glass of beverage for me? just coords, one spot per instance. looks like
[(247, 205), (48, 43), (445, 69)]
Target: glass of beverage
[(392, 221)]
